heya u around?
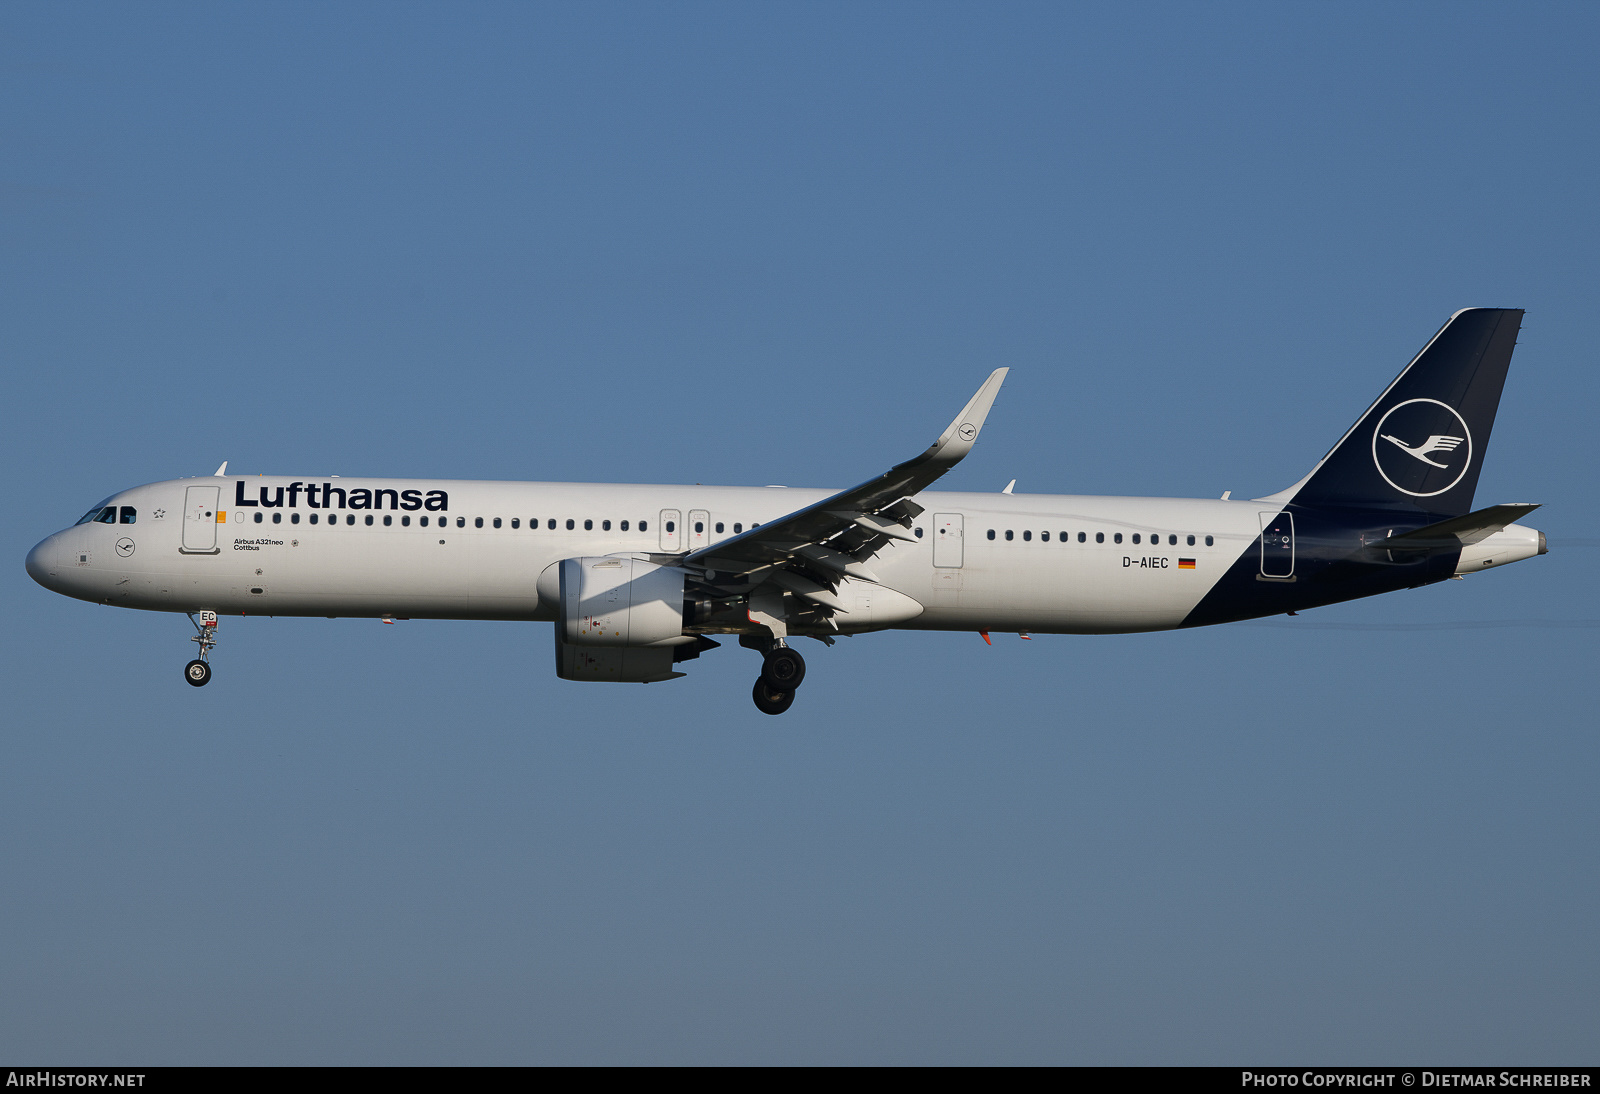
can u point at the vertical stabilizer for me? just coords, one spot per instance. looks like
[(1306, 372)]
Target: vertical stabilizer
[(1421, 445)]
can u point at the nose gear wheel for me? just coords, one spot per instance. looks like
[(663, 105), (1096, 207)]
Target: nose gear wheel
[(198, 671)]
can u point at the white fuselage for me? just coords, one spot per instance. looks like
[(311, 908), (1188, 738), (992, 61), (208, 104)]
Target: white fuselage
[(1056, 563), (1041, 563)]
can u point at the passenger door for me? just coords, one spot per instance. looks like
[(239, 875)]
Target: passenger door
[(1277, 545), (200, 520)]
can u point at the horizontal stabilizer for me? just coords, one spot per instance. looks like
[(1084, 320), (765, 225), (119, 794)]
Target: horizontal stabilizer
[(1457, 532)]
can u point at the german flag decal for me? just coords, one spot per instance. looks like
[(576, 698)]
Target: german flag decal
[(1186, 564)]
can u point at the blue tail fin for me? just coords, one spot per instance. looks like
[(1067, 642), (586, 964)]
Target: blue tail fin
[(1421, 445)]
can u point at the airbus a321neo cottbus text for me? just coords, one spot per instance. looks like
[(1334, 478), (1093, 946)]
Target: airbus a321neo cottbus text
[(638, 578)]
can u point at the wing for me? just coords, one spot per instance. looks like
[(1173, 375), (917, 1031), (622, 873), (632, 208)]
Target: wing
[(813, 551)]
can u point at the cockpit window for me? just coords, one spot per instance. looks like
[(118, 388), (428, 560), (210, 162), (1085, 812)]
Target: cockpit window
[(109, 514)]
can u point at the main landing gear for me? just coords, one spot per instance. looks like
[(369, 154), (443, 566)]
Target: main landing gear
[(782, 670), (198, 671)]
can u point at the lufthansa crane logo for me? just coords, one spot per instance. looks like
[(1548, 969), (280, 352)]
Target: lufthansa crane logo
[(1422, 447), (1436, 443), (967, 431)]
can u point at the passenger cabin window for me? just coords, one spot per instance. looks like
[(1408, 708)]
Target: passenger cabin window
[(588, 526), (918, 532), (1116, 537), (719, 527), (258, 518), (1136, 537), (313, 518), (515, 523), (1099, 537), (277, 518), (623, 527), (350, 518), (497, 522), (644, 526), (1172, 541), (699, 526), (1009, 534), (1191, 541), (737, 527), (405, 522), (552, 525), (388, 521), (672, 526), (294, 518), (369, 519), (1027, 536), (1044, 537), (1208, 541), (605, 526), (991, 533), (571, 524), (1082, 536), (477, 522)]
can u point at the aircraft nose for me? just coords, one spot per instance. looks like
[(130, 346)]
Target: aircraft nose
[(41, 563)]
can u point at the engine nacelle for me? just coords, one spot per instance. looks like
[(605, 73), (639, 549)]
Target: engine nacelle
[(621, 620)]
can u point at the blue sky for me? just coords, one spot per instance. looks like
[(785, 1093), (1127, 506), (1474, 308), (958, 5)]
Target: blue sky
[(782, 244)]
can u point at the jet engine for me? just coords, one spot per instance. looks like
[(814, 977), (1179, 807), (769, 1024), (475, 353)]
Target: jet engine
[(620, 621)]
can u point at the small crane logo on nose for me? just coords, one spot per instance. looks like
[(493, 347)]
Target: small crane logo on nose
[(124, 546)]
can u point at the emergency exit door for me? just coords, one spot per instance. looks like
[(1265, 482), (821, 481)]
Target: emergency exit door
[(200, 520), (947, 539), (671, 530), (699, 529)]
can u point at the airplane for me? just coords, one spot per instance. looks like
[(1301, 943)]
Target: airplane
[(636, 578)]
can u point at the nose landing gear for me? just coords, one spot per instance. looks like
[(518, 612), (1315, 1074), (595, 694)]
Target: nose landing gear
[(198, 671)]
